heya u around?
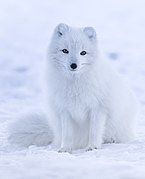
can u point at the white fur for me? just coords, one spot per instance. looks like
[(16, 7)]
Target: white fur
[(90, 105), (31, 129), (87, 106)]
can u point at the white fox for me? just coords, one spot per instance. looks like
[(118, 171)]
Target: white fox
[(88, 102)]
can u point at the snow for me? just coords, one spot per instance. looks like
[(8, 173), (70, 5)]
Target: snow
[(25, 30)]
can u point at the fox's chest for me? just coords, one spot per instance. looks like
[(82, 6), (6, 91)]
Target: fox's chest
[(77, 108), (77, 104), (76, 97)]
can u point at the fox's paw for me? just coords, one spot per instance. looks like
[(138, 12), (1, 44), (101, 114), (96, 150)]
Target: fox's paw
[(90, 148), (93, 147), (64, 149)]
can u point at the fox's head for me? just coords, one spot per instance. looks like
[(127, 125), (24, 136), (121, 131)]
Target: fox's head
[(73, 50)]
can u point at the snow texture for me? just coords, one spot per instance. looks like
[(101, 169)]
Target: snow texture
[(25, 31)]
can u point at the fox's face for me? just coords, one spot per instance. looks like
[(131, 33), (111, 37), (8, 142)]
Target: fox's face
[(73, 51)]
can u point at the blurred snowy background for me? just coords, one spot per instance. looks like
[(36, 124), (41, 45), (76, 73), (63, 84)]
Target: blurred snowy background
[(25, 30)]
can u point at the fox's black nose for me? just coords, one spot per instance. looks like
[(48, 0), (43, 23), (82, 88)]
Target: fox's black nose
[(73, 66)]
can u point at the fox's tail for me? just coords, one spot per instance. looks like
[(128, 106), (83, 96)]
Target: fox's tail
[(31, 129)]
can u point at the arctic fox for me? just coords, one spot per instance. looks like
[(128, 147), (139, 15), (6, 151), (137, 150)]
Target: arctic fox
[(88, 102)]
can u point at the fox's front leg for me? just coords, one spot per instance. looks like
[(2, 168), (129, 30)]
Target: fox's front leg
[(66, 134), (96, 129)]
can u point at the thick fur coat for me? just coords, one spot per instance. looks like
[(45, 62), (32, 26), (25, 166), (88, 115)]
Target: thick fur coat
[(88, 103)]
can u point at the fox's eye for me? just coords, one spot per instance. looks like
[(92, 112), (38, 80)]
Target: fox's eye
[(65, 51), (83, 53)]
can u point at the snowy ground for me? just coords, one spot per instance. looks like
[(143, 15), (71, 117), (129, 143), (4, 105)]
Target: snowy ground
[(25, 30)]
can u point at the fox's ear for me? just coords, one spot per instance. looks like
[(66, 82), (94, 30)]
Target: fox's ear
[(90, 32), (61, 29)]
